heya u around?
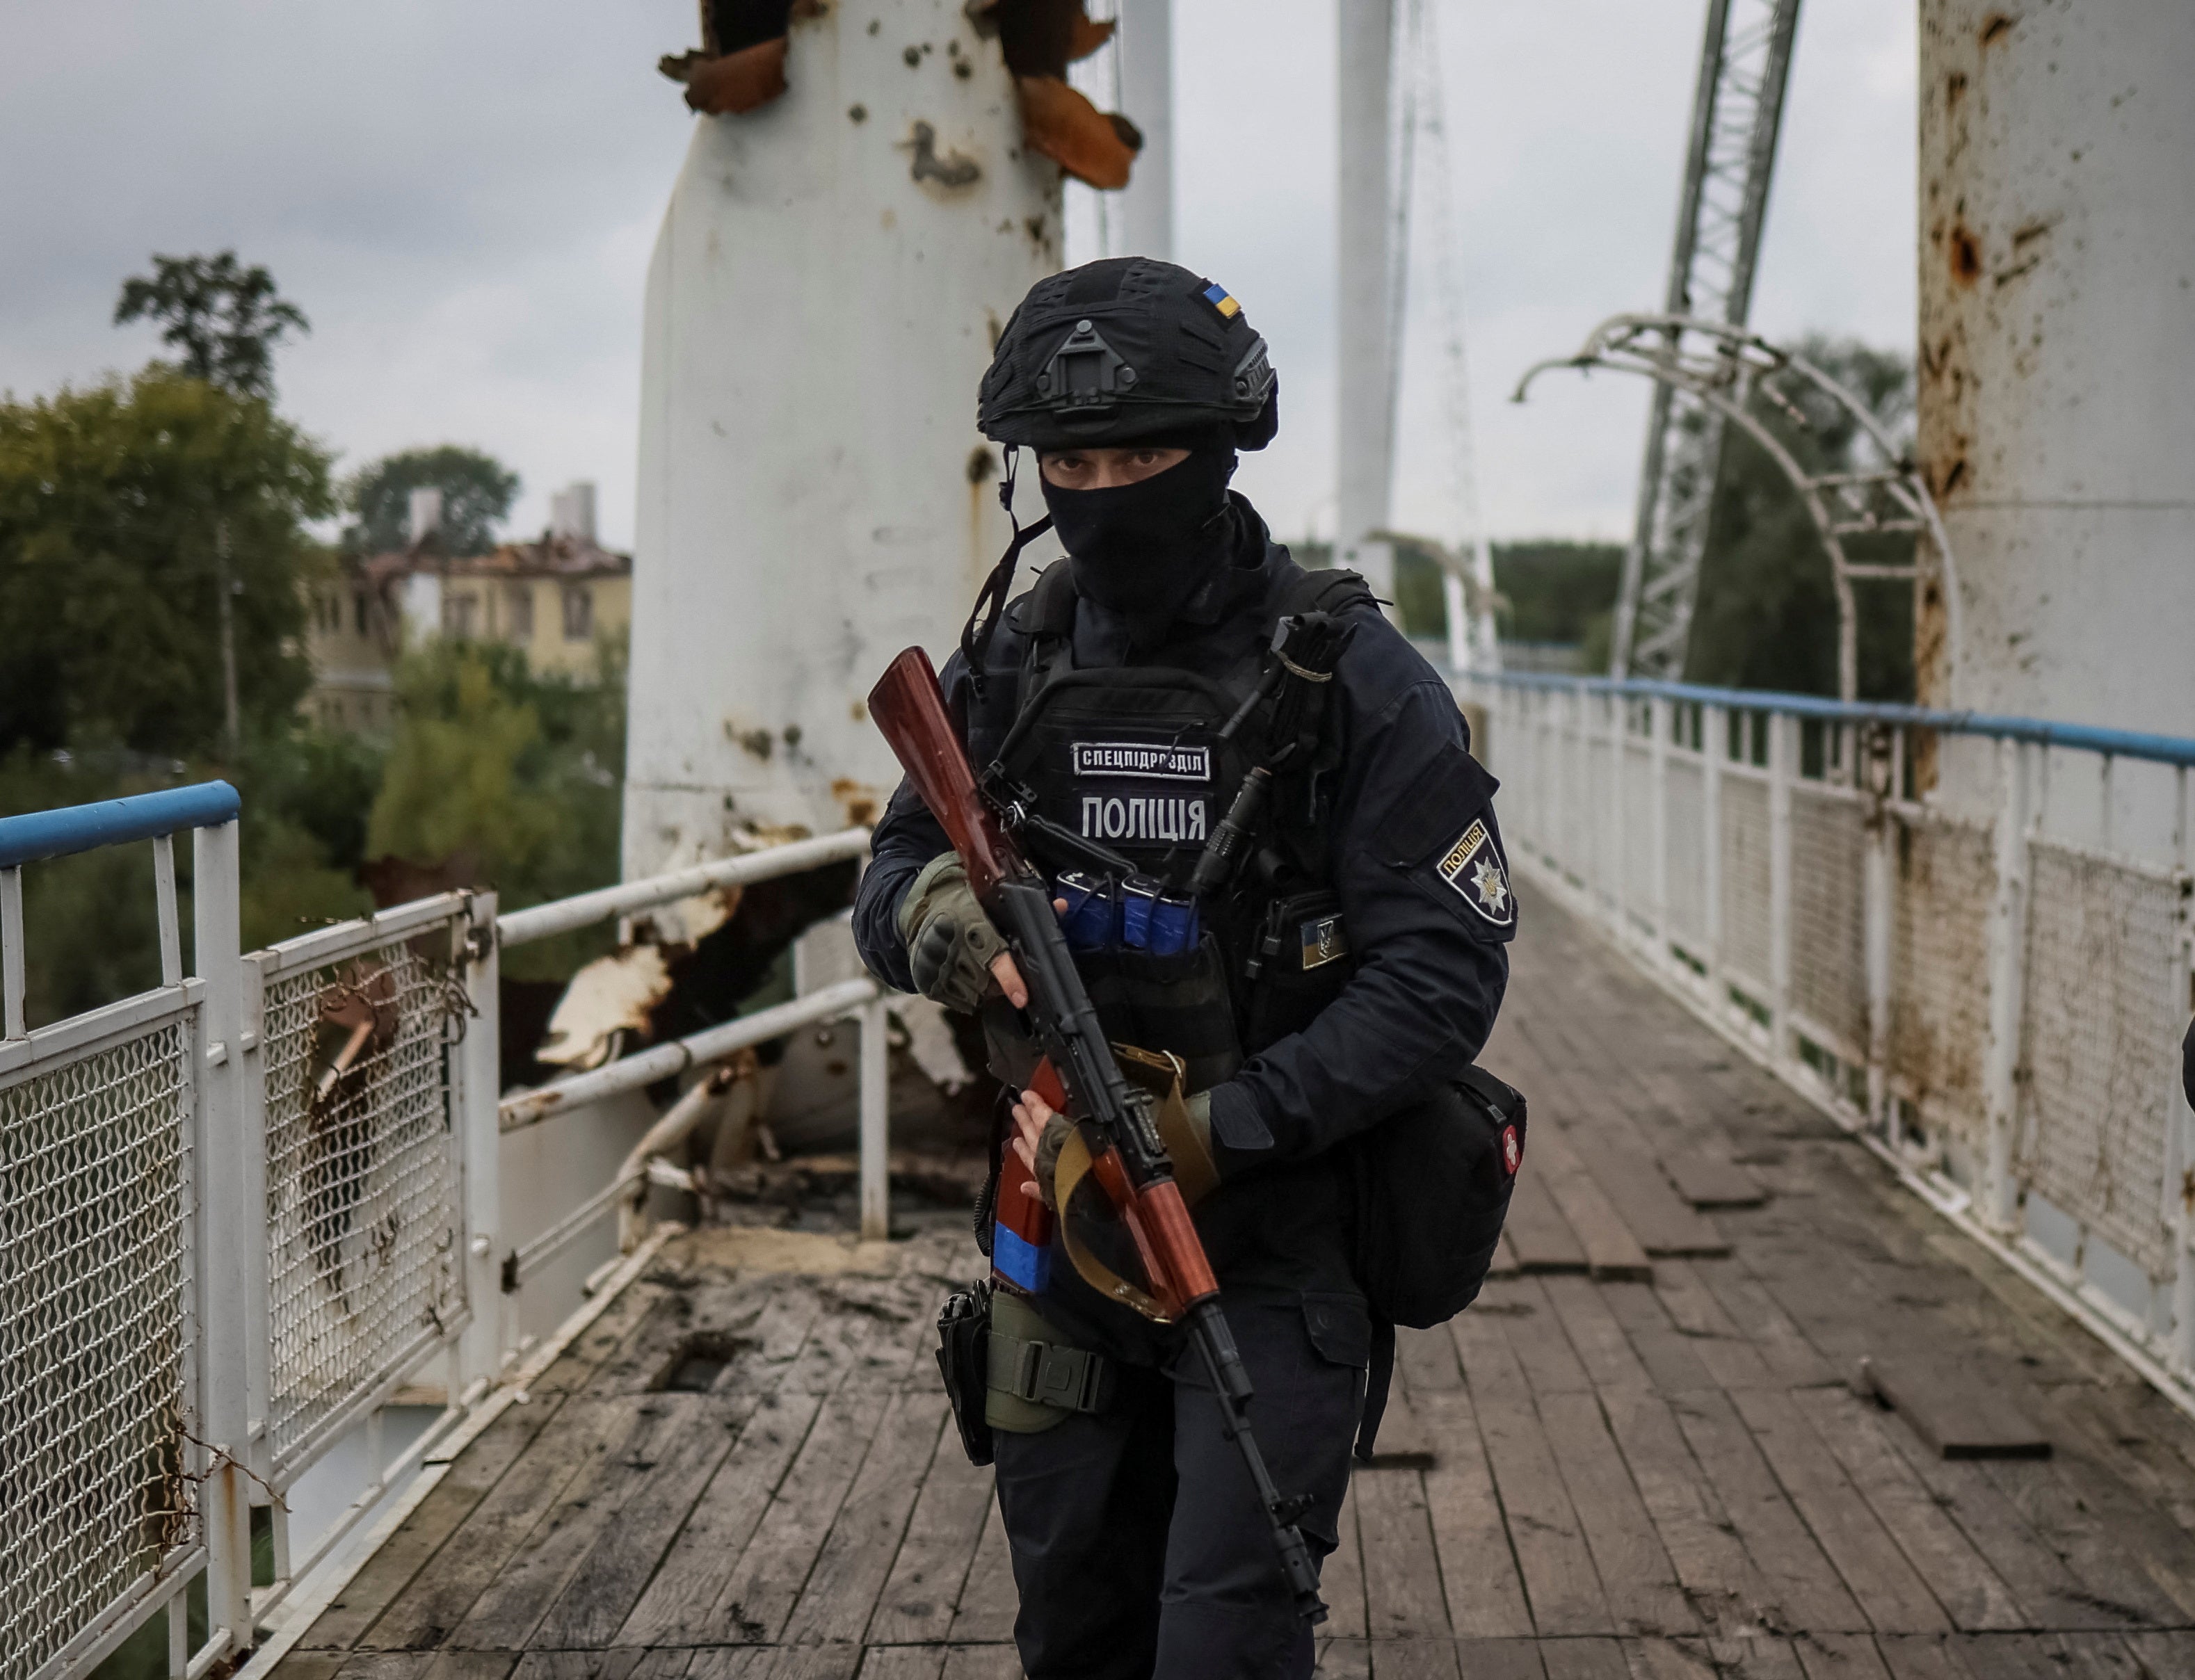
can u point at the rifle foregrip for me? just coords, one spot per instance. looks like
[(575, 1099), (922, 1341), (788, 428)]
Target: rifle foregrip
[(1180, 1248)]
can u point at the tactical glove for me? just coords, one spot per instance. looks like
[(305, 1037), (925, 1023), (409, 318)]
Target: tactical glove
[(950, 941), (1188, 1142)]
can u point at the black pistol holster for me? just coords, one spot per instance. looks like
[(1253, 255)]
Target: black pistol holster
[(963, 1356)]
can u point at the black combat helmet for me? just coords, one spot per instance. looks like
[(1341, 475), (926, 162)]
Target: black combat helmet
[(1123, 351)]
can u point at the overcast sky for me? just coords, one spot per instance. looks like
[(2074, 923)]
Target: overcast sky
[(463, 198)]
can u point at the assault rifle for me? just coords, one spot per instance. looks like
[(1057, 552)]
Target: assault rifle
[(1127, 1160)]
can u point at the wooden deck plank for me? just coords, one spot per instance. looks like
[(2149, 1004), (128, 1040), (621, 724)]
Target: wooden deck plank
[(537, 1575), (1479, 1572), (2048, 1593), (617, 1567), (468, 1564), (917, 1603), (1841, 1656), (1611, 1363), (1584, 1659), (679, 1603), (1730, 1358), (469, 1480), (1535, 1229), (1611, 1250), (1535, 1335), (1970, 1590), (758, 1598), (1560, 1584), (1402, 1596), (1636, 1575), (1341, 1659), (902, 1662), (1892, 1596), (1707, 1181), (1720, 1583), (1672, 1362), (1808, 1594), (842, 1590), (983, 1662)]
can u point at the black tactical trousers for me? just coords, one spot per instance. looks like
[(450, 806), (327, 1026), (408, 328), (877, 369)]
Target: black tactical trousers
[(1138, 1546)]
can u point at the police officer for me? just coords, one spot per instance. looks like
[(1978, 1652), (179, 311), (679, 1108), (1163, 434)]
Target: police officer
[(1350, 968)]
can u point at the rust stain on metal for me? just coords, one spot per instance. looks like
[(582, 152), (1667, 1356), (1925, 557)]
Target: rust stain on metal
[(1966, 254), (1994, 24), (858, 800)]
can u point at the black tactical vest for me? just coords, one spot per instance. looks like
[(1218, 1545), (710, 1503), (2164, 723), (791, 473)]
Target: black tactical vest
[(1132, 757)]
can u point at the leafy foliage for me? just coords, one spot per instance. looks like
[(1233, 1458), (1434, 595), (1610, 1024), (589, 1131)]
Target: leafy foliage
[(114, 502), (477, 492), (224, 318), (513, 777), (1767, 616)]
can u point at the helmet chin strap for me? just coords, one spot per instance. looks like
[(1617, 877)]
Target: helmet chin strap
[(991, 599)]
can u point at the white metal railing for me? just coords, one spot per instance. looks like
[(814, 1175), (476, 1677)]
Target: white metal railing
[(241, 1212), (1973, 938)]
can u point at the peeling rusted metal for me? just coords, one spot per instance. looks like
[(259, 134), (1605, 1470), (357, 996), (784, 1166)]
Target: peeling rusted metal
[(732, 84), (1096, 147)]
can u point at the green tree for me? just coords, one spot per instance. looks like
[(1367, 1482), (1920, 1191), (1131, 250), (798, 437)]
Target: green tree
[(477, 492), (116, 504), (1767, 612), (516, 779), (225, 318)]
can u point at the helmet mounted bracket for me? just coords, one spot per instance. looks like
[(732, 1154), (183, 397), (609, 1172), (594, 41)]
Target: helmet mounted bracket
[(1085, 372)]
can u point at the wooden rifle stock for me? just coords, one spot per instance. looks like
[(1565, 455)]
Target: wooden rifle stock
[(909, 708)]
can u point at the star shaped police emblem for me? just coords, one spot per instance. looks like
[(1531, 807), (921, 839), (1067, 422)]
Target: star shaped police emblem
[(1493, 891)]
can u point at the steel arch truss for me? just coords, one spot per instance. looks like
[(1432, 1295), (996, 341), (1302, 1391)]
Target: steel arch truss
[(1720, 368)]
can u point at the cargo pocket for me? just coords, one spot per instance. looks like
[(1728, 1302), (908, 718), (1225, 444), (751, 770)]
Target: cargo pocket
[(1340, 1328)]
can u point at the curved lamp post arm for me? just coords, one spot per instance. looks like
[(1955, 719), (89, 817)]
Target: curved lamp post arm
[(1739, 364)]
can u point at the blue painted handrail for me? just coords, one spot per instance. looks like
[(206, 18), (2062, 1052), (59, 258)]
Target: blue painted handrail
[(83, 828), (2116, 743)]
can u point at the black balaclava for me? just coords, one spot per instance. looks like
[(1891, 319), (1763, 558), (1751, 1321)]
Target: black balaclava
[(1143, 549)]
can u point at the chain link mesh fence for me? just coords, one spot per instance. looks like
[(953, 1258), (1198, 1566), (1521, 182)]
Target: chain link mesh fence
[(361, 1235), (1945, 882), (1829, 914), (1746, 943), (1687, 847), (96, 1400), (2107, 985), (1634, 839)]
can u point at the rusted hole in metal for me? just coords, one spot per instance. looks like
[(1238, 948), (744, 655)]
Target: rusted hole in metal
[(1995, 24), (981, 463), (1966, 255)]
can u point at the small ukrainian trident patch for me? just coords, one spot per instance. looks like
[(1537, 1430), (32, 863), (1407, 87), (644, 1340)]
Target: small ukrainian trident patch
[(1473, 866)]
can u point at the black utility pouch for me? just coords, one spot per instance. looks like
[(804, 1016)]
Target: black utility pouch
[(1433, 1183), (1181, 1002), (964, 1356), (1302, 961)]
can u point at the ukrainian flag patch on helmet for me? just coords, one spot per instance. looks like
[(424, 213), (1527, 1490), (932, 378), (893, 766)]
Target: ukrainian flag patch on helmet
[(1218, 297)]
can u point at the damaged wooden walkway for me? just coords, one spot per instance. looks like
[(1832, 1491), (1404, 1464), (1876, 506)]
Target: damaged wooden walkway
[(1638, 1457)]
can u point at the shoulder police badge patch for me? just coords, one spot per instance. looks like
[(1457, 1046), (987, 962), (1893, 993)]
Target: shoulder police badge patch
[(1474, 867)]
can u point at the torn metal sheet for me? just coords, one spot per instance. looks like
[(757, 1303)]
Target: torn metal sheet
[(1098, 148), (732, 84), (610, 997)]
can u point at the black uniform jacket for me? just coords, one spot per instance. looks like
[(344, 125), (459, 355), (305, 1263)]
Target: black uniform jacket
[(1429, 944)]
